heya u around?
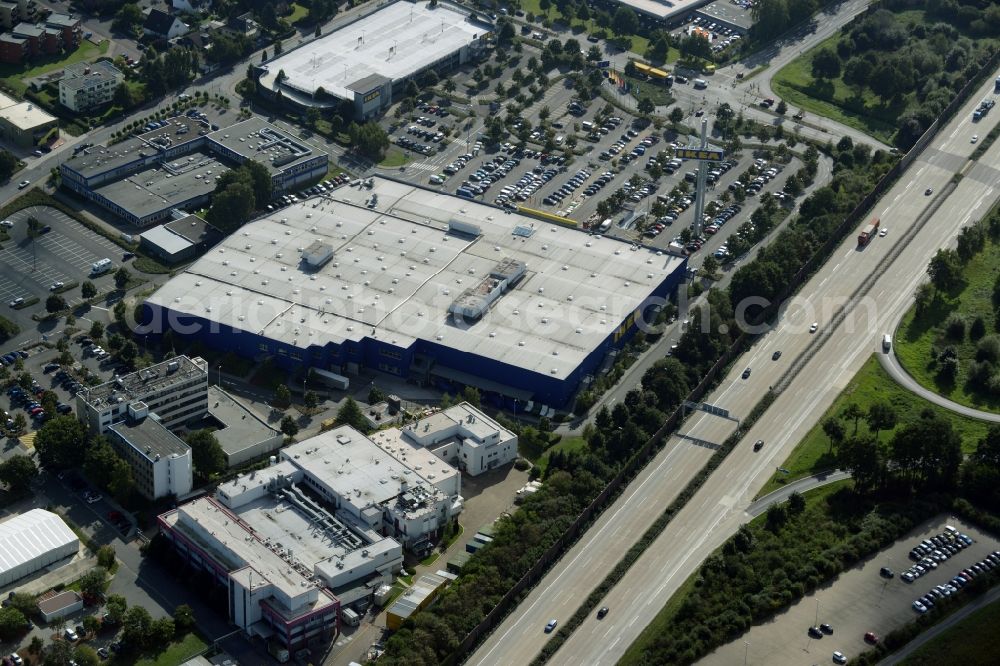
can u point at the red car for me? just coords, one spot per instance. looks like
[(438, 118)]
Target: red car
[(870, 637)]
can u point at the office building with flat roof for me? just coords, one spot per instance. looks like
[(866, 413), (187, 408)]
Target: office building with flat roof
[(161, 462), (365, 64), (24, 124), (85, 86), (175, 390), (424, 286), (241, 432), (177, 166)]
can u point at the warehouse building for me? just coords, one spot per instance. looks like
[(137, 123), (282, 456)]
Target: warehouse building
[(32, 541), (181, 239), (175, 390), (366, 64), (460, 435), (177, 164), (436, 289)]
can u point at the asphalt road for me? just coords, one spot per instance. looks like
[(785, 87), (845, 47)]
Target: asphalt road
[(718, 509), (890, 363), (798, 486)]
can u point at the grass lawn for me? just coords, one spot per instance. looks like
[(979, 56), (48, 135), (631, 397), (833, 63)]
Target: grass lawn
[(835, 99), (298, 13), (177, 652), (970, 642), (870, 385), (567, 444), (917, 335), (394, 158), (15, 76), (659, 93)]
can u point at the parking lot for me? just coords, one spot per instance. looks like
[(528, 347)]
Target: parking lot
[(64, 253), (859, 601)]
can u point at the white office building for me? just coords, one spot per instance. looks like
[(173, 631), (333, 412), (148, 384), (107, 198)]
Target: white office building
[(175, 390), (161, 462), (461, 435), (88, 85)]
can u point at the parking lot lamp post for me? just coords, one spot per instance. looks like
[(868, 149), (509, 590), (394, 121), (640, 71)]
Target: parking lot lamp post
[(746, 652), (219, 368), (816, 624)]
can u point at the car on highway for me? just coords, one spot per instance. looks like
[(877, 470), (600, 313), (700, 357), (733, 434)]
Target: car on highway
[(839, 658), (551, 626), (758, 445), (929, 191), (23, 184), (814, 327), (746, 373), (602, 612), (883, 232), (776, 355)]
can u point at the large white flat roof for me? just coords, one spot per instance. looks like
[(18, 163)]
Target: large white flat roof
[(664, 9), (30, 535), (393, 42), (396, 270)]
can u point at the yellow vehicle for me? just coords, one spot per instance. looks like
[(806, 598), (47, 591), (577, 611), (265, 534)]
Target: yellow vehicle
[(708, 69)]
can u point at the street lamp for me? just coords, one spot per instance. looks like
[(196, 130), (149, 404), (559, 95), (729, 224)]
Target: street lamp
[(219, 368), (746, 652), (816, 624)]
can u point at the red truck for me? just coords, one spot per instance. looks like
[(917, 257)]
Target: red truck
[(868, 233)]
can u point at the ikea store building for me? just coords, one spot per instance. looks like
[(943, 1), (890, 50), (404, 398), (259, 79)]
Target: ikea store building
[(424, 286)]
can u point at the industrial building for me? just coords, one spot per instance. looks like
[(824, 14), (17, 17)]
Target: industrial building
[(425, 286), (241, 432), (176, 166), (175, 390), (461, 435), (736, 16), (85, 86), (415, 598), (365, 65), (180, 239), (24, 124), (32, 541), (323, 525), (54, 605)]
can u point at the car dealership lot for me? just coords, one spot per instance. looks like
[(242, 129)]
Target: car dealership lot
[(858, 601)]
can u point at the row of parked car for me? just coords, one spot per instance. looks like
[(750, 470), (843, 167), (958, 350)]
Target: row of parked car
[(726, 214), (955, 585), (319, 188), (929, 553), (572, 185), (526, 185)]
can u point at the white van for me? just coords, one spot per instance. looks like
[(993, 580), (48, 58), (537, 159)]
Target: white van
[(99, 267), (886, 343), (700, 83), (587, 125)]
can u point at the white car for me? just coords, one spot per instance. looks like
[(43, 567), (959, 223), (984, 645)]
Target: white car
[(7, 224), (839, 658), (919, 607), (550, 627), (56, 285), (23, 184), (71, 635), (883, 232), (814, 327), (975, 137)]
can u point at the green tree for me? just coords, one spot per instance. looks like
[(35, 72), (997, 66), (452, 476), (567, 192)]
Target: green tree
[(57, 653), (12, 623), (128, 20), (855, 413), (207, 455), (61, 443), (350, 414), (84, 655), (646, 106), (282, 396), (625, 22), (184, 620), (826, 64), (55, 303), (369, 139), (122, 483), (834, 431), (945, 269), (782, 108), (17, 473), (162, 631), (137, 624), (93, 582), (115, 607), (231, 208), (8, 164), (106, 557), (91, 624), (676, 115), (288, 426), (122, 276), (881, 416), (96, 330), (310, 400)]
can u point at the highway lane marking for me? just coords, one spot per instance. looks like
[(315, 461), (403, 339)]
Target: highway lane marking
[(544, 594)]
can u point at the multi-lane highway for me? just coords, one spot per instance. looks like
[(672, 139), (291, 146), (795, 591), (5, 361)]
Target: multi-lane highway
[(717, 509)]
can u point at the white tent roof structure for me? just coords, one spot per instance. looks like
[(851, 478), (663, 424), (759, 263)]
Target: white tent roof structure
[(30, 535)]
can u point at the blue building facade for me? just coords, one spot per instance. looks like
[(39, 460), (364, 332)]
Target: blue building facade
[(424, 361)]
